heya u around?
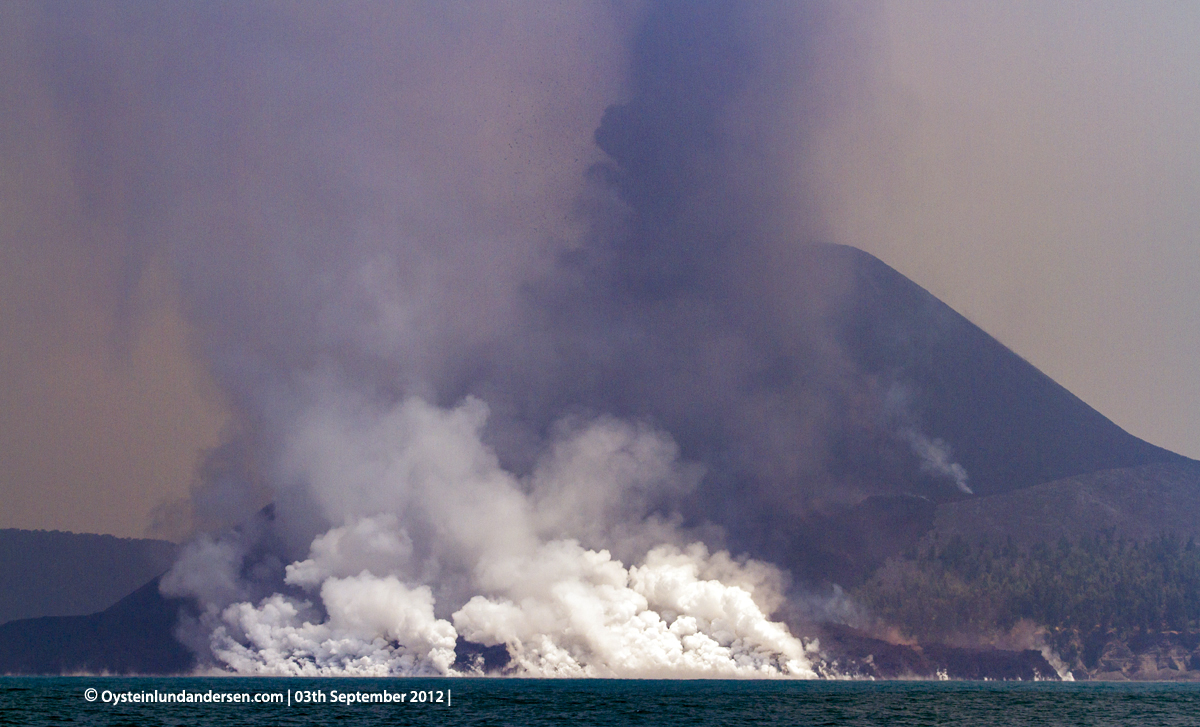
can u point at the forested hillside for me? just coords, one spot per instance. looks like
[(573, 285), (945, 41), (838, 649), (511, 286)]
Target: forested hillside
[(1086, 593)]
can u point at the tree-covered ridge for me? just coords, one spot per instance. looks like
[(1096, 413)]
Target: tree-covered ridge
[(1100, 584)]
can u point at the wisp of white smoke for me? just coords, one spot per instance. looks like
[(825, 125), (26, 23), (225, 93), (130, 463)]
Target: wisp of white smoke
[(433, 540), (937, 459)]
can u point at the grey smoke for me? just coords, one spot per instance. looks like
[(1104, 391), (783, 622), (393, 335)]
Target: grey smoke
[(937, 459), (503, 297), (935, 456)]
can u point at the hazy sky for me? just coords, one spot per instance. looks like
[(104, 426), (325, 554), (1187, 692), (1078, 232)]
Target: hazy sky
[(1036, 165)]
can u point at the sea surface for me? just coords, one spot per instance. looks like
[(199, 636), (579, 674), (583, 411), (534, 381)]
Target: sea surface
[(275, 701)]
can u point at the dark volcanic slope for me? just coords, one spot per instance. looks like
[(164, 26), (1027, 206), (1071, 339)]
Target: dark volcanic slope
[(52, 573), (934, 372), (1009, 424), (1138, 503)]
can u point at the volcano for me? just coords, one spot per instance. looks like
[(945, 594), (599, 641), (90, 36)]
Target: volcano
[(1008, 425), (1001, 425)]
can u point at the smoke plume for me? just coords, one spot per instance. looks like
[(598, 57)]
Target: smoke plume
[(515, 310)]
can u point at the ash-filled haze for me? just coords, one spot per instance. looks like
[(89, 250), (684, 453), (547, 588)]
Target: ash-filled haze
[(507, 309)]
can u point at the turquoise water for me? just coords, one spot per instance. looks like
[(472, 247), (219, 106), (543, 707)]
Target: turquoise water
[(63, 700)]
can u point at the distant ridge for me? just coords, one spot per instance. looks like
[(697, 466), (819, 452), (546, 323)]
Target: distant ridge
[(54, 573), (135, 636)]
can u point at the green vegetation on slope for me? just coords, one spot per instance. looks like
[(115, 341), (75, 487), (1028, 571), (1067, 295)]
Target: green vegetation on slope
[(1094, 585)]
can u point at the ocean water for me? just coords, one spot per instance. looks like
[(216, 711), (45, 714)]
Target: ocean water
[(272, 701)]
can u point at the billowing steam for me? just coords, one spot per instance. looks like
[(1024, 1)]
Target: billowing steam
[(422, 505)]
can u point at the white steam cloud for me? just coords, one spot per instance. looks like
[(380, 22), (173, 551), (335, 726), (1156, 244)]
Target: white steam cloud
[(433, 540)]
